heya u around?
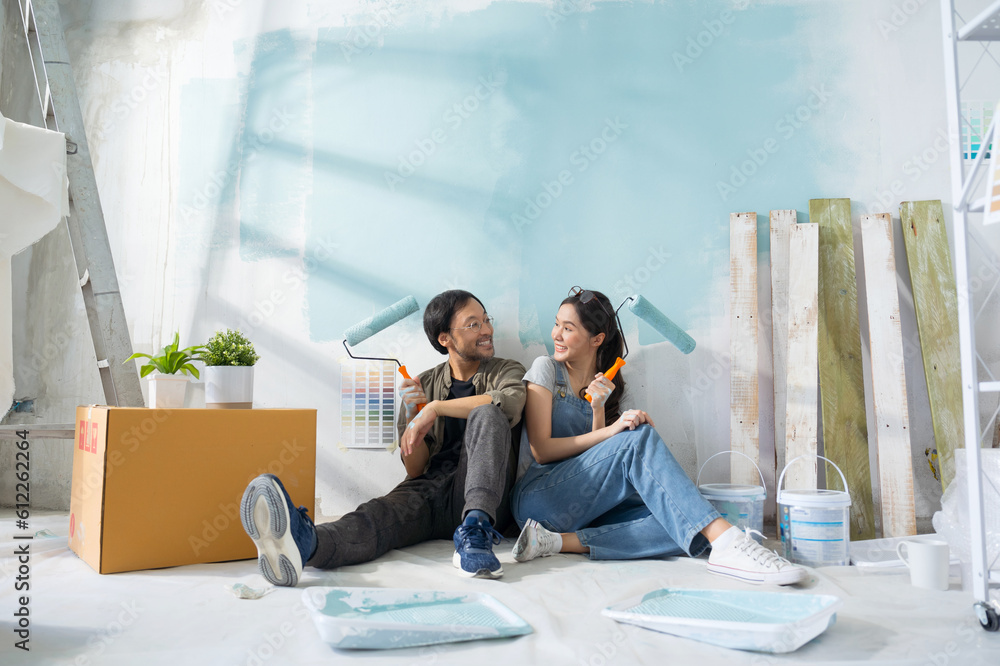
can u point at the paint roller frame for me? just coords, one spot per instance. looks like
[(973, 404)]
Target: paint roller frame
[(662, 324), (377, 323)]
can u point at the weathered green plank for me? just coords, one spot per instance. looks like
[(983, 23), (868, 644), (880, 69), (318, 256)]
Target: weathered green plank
[(841, 377), (936, 301)]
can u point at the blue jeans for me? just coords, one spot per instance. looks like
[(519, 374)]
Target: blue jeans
[(625, 498)]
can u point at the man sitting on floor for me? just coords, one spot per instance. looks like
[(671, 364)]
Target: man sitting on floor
[(457, 453)]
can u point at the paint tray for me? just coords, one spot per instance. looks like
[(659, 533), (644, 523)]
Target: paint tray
[(742, 620), (365, 618)]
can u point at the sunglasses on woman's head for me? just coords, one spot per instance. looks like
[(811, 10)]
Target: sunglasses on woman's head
[(586, 296)]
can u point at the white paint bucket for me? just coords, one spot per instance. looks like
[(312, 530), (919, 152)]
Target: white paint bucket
[(741, 505), (815, 525)]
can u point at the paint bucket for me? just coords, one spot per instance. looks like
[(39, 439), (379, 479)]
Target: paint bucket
[(741, 505), (815, 525)]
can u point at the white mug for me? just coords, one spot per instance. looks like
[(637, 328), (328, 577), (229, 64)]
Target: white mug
[(928, 563)]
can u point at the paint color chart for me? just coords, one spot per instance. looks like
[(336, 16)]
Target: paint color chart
[(976, 119), (367, 404)]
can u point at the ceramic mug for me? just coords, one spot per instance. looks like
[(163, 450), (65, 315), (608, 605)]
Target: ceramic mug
[(928, 563)]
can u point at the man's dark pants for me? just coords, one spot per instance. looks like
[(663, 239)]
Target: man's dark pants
[(479, 474)]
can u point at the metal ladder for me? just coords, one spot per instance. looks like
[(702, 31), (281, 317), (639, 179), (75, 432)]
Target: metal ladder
[(60, 110), (985, 27)]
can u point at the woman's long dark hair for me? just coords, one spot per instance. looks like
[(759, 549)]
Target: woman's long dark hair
[(598, 316)]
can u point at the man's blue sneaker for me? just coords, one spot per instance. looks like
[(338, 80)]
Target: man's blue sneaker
[(474, 540), (285, 536)]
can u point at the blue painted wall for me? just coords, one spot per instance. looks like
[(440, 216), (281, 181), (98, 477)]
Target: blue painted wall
[(516, 150)]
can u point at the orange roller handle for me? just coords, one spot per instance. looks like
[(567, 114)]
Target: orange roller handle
[(406, 375), (610, 374)]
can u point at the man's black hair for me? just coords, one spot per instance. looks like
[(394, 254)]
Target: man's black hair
[(438, 314)]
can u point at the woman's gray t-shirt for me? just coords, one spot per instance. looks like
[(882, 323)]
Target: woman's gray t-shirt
[(543, 373)]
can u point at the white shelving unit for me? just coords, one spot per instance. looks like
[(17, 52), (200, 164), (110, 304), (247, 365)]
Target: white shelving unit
[(985, 27)]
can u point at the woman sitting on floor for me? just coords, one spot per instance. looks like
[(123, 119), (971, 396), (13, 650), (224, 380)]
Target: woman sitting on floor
[(596, 480)]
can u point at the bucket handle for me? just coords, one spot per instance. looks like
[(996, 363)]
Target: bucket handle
[(762, 483), (812, 455)]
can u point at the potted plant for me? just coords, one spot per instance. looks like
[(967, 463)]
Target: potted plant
[(229, 359), (167, 388)]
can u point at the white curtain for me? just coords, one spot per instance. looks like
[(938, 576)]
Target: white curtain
[(34, 196)]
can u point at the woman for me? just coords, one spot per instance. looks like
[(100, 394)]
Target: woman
[(598, 480)]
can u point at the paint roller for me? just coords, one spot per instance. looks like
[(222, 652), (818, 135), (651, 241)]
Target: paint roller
[(379, 322), (645, 311), (610, 374)]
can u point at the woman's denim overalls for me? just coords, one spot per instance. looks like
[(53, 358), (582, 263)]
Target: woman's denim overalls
[(625, 498)]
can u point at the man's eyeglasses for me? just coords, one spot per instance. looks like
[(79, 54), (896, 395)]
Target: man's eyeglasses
[(476, 326)]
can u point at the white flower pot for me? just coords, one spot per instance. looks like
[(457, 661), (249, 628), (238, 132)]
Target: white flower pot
[(167, 391), (228, 386)]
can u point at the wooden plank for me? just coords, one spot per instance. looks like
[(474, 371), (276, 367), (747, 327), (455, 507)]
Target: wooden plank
[(841, 376), (892, 419), (781, 221), (936, 302), (744, 427), (802, 398)]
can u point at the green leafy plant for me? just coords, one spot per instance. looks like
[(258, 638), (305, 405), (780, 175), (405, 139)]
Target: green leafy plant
[(171, 360), (229, 348)]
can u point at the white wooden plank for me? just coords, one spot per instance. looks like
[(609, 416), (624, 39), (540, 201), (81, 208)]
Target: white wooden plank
[(743, 396), (781, 221), (892, 422), (802, 381)]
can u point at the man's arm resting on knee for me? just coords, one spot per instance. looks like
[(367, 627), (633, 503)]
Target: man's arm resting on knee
[(458, 408)]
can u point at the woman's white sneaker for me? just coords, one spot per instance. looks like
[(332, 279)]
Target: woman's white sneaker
[(745, 559), (536, 541)]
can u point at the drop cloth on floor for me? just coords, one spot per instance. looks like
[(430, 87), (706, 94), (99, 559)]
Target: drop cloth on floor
[(185, 615)]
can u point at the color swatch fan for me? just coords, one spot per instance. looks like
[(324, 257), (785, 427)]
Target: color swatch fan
[(368, 384), (367, 404), (991, 210)]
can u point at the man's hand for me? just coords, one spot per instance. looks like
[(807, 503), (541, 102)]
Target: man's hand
[(418, 428), (412, 394)]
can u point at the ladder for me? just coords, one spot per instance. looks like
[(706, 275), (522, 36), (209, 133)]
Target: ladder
[(982, 28), (60, 111)]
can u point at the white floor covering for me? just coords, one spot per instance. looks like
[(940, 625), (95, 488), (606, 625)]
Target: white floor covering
[(186, 615)]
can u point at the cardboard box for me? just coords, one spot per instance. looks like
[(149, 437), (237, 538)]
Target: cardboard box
[(159, 488)]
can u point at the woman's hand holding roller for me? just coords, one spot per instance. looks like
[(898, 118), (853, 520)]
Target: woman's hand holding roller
[(600, 390)]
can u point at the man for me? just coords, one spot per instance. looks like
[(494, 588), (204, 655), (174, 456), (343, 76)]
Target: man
[(456, 450)]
